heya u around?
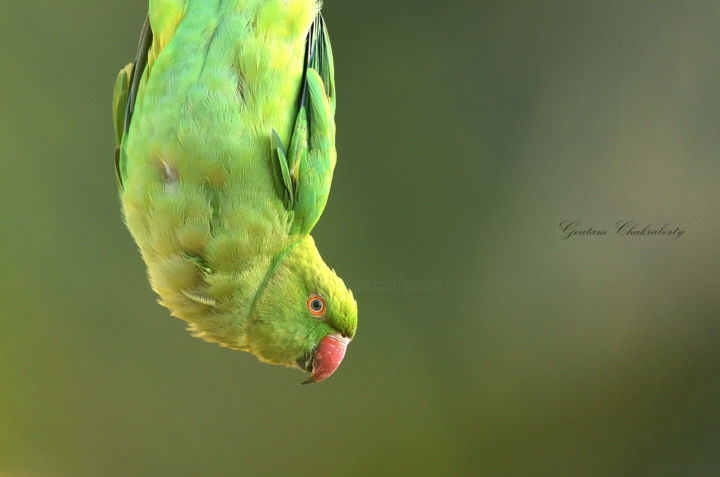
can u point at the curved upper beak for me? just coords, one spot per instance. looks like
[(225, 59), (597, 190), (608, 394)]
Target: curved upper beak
[(326, 358)]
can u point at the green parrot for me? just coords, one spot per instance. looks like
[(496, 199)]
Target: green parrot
[(225, 153)]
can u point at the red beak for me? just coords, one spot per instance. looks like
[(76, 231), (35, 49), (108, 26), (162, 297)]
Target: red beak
[(328, 356)]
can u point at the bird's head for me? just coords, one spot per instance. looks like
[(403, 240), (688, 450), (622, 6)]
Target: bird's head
[(304, 315)]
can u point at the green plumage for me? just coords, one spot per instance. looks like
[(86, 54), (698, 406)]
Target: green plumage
[(226, 150)]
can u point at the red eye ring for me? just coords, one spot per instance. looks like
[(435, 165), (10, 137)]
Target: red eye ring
[(316, 305)]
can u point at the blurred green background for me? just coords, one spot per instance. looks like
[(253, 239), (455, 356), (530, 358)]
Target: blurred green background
[(487, 345)]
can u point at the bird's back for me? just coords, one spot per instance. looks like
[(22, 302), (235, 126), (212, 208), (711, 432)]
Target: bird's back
[(221, 76)]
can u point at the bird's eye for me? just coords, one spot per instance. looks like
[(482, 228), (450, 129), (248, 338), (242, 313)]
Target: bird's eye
[(316, 305)]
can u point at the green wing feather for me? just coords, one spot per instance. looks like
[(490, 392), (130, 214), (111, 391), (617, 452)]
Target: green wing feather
[(125, 94), (282, 171), (316, 168), (120, 97), (311, 157)]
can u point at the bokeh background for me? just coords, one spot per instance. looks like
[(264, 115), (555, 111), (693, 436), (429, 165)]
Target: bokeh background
[(487, 344)]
